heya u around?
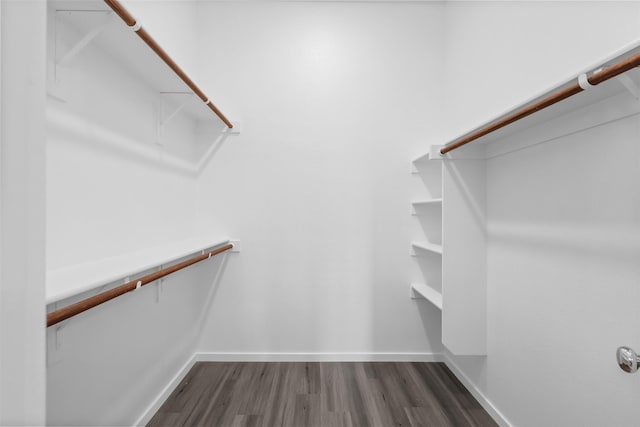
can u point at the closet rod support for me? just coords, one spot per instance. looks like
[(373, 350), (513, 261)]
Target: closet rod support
[(599, 76), (131, 22)]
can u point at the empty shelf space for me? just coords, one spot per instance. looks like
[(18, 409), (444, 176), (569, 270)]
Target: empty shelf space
[(421, 290), (426, 246)]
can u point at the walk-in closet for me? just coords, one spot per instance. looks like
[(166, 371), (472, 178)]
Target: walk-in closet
[(319, 213)]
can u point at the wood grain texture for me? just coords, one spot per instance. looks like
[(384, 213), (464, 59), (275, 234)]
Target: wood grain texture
[(340, 394)]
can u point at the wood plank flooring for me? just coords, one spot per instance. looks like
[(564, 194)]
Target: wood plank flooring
[(320, 394)]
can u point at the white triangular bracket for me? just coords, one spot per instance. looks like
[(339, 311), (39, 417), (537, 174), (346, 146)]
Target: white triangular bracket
[(86, 40), (629, 84), (171, 104), (61, 60), (54, 343)]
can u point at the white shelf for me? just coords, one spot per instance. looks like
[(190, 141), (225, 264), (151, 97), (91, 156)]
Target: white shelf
[(66, 282), (418, 206), (481, 147), (122, 44), (427, 246), (427, 202), (428, 293)]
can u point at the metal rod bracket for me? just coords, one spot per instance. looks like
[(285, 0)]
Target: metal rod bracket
[(583, 82), (236, 246)]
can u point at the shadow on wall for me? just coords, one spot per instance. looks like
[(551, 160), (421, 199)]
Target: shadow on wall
[(431, 322), (209, 139), (429, 264), (463, 180), (214, 271), (430, 172)]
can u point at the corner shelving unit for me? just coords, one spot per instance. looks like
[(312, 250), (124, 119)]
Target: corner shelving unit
[(593, 98), (461, 291), (429, 210)]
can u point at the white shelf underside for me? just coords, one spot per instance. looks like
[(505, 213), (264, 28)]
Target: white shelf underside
[(427, 246), (427, 202)]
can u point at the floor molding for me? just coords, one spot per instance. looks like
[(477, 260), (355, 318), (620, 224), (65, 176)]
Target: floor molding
[(477, 393), (318, 357), (151, 410)]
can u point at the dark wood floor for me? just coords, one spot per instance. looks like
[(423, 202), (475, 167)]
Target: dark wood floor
[(322, 395)]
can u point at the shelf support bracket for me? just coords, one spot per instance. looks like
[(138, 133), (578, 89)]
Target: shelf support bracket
[(87, 39), (629, 84), (159, 285), (54, 344), (170, 110)]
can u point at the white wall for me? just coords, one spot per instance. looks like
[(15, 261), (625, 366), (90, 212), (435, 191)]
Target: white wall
[(560, 283), (22, 258), (112, 190), (334, 99)]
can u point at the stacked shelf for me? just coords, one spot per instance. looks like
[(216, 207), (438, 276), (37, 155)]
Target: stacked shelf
[(428, 211), (420, 290), (455, 285)]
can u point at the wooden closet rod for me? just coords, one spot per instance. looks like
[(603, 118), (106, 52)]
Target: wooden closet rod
[(573, 89), (88, 303), (131, 22)]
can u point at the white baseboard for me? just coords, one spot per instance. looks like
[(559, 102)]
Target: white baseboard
[(151, 410), (477, 393), (318, 357)]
